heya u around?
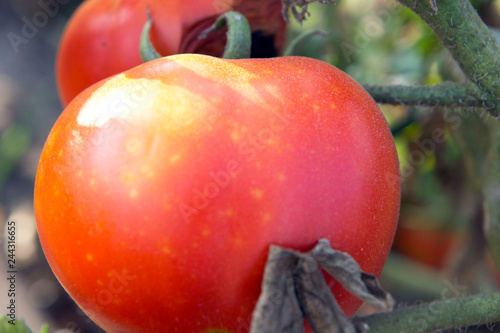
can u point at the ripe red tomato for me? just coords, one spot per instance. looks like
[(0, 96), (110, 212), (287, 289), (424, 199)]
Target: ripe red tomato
[(102, 37), (160, 189)]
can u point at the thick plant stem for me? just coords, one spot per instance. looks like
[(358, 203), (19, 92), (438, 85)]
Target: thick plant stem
[(470, 42), (445, 94), (438, 315)]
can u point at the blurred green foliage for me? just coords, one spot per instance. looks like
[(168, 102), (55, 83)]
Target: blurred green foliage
[(19, 326), (14, 142)]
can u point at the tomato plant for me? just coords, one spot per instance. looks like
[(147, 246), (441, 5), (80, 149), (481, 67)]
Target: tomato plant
[(102, 37), (159, 190)]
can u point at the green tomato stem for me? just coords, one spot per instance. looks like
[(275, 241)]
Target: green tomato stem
[(437, 315), (239, 38), (146, 48), (444, 94), (471, 44)]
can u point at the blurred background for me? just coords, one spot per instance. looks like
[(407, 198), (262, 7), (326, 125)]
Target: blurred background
[(440, 250)]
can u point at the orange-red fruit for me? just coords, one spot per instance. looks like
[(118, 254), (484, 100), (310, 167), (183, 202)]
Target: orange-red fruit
[(429, 246), (160, 190), (102, 37)]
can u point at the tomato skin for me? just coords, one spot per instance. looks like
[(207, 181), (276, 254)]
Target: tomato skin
[(160, 190), (102, 37)]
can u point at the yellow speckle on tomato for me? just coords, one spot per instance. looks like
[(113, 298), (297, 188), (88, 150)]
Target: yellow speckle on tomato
[(281, 177), (266, 217), (274, 91), (333, 106), (166, 250), (99, 282), (235, 136), (89, 256), (92, 181), (147, 171), (174, 158), (257, 193), (205, 232), (315, 107), (128, 177), (132, 145), (133, 194), (60, 153)]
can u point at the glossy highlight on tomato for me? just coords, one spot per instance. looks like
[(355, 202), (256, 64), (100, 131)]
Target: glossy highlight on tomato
[(160, 190), (102, 37)]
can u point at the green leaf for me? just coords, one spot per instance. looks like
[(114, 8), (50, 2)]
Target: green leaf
[(14, 142), (479, 137), (8, 325)]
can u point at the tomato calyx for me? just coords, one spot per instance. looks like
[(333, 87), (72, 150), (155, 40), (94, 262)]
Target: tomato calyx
[(146, 48), (239, 37), (210, 45), (293, 287)]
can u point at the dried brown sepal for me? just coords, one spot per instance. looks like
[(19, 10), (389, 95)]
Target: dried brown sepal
[(318, 303), (347, 272), (299, 8), (294, 287), (278, 309)]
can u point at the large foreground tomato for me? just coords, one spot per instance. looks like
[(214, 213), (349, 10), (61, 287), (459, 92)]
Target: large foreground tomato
[(102, 37), (160, 190)]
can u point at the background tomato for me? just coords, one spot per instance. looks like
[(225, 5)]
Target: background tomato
[(102, 37), (160, 190), (430, 246)]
